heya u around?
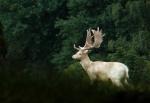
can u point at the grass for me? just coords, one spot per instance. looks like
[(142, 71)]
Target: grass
[(29, 86)]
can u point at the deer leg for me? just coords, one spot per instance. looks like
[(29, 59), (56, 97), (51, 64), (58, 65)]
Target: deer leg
[(126, 82), (117, 83)]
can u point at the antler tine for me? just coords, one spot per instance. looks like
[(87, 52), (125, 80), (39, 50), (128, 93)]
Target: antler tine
[(76, 47), (88, 42), (88, 35), (98, 29)]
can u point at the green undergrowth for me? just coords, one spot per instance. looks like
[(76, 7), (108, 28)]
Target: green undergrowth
[(68, 86)]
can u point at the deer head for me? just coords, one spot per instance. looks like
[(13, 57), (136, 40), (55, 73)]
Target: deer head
[(94, 39)]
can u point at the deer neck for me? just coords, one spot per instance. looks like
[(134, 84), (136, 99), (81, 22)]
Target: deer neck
[(86, 62)]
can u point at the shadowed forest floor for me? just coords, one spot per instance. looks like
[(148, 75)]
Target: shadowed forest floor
[(25, 87), (35, 92)]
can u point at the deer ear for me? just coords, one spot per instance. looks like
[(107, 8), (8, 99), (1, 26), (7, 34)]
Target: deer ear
[(85, 51)]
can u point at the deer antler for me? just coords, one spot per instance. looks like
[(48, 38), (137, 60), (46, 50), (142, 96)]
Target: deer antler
[(98, 37), (93, 40), (76, 47), (88, 42)]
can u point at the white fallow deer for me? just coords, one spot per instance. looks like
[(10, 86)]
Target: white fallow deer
[(115, 72)]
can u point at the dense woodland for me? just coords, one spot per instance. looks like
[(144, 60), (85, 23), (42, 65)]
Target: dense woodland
[(36, 46)]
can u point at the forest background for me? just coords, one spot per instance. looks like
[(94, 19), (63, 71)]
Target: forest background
[(39, 37)]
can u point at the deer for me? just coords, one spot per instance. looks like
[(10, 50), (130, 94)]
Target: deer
[(116, 72)]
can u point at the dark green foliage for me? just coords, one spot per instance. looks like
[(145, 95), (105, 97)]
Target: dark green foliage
[(127, 34), (29, 27), (40, 35), (3, 46)]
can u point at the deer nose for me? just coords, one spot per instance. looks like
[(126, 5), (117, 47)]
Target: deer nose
[(73, 57)]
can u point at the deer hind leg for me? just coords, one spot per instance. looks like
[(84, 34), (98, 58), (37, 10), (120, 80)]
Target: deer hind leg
[(126, 82), (117, 83)]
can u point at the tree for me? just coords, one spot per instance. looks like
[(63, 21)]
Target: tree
[(3, 48), (29, 28), (124, 23)]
